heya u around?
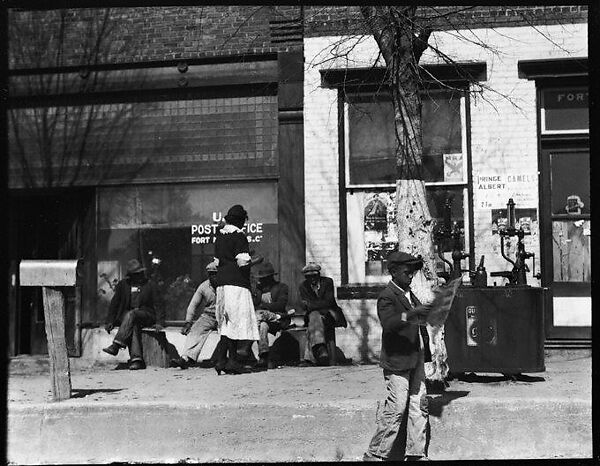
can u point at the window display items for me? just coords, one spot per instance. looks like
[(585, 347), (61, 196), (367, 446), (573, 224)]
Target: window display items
[(379, 230)]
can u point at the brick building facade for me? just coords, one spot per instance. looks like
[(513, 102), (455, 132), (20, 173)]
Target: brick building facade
[(234, 103)]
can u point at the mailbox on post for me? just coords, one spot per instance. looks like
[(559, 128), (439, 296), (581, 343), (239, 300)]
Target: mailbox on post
[(51, 275)]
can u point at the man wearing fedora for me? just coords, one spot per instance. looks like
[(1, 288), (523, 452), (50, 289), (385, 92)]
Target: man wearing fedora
[(404, 351), (321, 310), (204, 300), (135, 304), (270, 301)]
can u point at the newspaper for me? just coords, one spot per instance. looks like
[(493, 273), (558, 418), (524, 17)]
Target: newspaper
[(442, 302)]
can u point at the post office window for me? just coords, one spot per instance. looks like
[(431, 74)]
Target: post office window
[(172, 229)]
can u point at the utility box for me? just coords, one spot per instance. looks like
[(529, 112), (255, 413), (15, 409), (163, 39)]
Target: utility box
[(496, 329)]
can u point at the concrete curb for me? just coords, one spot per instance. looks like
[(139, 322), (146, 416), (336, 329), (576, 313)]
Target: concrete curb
[(154, 432)]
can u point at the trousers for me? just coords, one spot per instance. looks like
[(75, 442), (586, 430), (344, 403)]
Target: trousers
[(405, 391), (130, 332), (194, 341)]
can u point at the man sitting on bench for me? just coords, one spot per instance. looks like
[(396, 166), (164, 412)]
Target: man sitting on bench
[(270, 301), (204, 300), (135, 304), (321, 310)]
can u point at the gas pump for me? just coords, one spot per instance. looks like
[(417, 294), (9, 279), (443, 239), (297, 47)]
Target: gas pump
[(516, 276), (447, 232)]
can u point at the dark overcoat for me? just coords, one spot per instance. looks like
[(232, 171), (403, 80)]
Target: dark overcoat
[(150, 300), (323, 300)]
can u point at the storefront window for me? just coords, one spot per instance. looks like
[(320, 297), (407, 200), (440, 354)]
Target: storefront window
[(171, 228), (370, 177), (565, 110), (372, 140)]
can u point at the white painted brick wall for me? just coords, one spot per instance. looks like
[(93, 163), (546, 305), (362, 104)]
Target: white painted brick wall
[(503, 139)]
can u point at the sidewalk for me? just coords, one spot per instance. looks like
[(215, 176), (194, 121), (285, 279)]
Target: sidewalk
[(288, 414)]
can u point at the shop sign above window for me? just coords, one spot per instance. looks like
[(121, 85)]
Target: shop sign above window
[(565, 110)]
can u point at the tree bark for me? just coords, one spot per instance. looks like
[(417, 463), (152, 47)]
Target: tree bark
[(402, 42)]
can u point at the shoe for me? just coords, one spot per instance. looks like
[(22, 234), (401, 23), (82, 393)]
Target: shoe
[(263, 361), (321, 355), (113, 349), (180, 362), (416, 458), (369, 457), (233, 367), (137, 365)]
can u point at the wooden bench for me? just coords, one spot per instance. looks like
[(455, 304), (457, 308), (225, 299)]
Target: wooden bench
[(157, 351)]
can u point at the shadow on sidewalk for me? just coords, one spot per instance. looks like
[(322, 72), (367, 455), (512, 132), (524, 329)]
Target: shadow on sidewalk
[(476, 378), (437, 402), (83, 392)]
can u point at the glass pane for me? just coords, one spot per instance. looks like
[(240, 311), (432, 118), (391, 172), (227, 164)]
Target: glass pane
[(571, 250), (442, 138), (372, 141), (570, 181), (372, 229), (171, 229), (566, 109)]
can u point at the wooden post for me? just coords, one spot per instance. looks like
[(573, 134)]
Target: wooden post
[(54, 314)]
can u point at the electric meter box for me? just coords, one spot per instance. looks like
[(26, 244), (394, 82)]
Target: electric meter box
[(496, 329)]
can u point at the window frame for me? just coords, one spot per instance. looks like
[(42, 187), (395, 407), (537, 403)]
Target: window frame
[(542, 106), (346, 188)]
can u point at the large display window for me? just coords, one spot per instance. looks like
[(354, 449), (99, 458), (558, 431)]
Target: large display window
[(370, 172), (171, 229)]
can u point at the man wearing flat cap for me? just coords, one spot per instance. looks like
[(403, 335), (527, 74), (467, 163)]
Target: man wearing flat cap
[(404, 351), (204, 302), (270, 301), (136, 304), (321, 310)]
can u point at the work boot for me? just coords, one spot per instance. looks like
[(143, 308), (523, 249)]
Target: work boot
[(263, 361), (137, 365), (113, 349), (181, 362), (321, 354), (233, 366)]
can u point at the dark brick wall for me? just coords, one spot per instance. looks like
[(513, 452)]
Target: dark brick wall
[(335, 20), (169, 33), (146, 33)]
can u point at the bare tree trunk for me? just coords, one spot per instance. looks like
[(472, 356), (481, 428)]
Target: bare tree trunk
[(401, 42)]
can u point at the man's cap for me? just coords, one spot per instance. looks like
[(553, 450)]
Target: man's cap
[(404, 258), (134, 266), (311, 268), (237, 211), (265, 270), (211, 267)]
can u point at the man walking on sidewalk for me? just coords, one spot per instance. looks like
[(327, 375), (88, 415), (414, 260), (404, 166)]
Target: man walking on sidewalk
[(404, 350), (135, 304), (204, 299)]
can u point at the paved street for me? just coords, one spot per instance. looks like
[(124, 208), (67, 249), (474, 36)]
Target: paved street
[(287, 414)]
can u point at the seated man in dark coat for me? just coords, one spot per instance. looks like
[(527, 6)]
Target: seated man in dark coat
[(270, 301), (321, 309), (135, 304)]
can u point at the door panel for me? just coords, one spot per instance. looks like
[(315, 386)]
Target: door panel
[(567, 242)]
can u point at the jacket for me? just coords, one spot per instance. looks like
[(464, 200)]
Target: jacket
[(400, 344), (279, 299), (323, 300), (150, 300), (227, 247)]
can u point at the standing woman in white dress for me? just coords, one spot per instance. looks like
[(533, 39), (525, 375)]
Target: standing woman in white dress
[(235, 314)]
